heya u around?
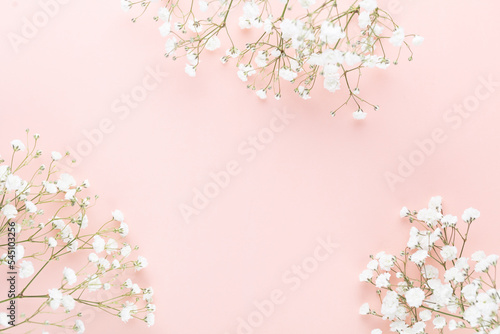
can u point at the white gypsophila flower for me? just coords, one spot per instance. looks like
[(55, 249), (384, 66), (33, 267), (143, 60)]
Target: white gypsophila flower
[(364, 309), (125, 5), (52, 243), (17, 145), (194, 26), (56, 156), (68, 303), (123, 229), (127, 311), (9, 211), (439, 322), (135, 289), (417, 40), (213, 43), (83, 221), (415, 297), (331, 33), (454, 274), (79, 326), (13, 182), (382, 280), (170, 45), (478, 256), (70, 194), (55, 298), (390, 305), (449, 220), (352, 58), (441, 293), (404, 212), (4, 320), (245, 71), (307, 3), (65, 182), (30, 207), (19, 252), (93, 283), (190, 70), (425, 315), (373, 265), (359, 114), (419, 257), (469, 292), (449, 252), (128, 283), (150, 319), (140, 263), (103, 263), (398, 37), (376, 331), (261, 93), (332, 84), (203, 5), (435, 203), (73, 246), (126, 250), (115, 264), (430, 216), (366, 275), (4, 172), (69, 275), (368, 5), (164, 14), (49, 187), (386, 261), (93, 257), (261, 59), (470, 214), (111, 246), (98, 244), (399, 326), (148, 294), (118, 215), (287, 74), (364, 20), (151, 307), (26, 269)]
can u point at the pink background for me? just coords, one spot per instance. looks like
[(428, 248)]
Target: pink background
[(319, 177)]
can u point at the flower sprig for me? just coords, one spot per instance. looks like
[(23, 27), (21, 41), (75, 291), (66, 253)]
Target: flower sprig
[(307, 43), (431, 286), (46, 235)]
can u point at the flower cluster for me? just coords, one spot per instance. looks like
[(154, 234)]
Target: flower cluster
[(46, 235), (307, 43), (431, 286)]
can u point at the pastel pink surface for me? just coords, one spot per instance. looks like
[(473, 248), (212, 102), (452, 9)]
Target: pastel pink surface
[(320, 176)]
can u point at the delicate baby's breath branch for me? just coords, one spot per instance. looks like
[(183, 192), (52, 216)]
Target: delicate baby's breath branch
[(294, 42), (433, 281), (48, 215)]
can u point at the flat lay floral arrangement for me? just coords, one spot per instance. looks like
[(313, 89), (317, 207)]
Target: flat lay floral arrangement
[(307, 43), (436, 284), (47, 236)]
